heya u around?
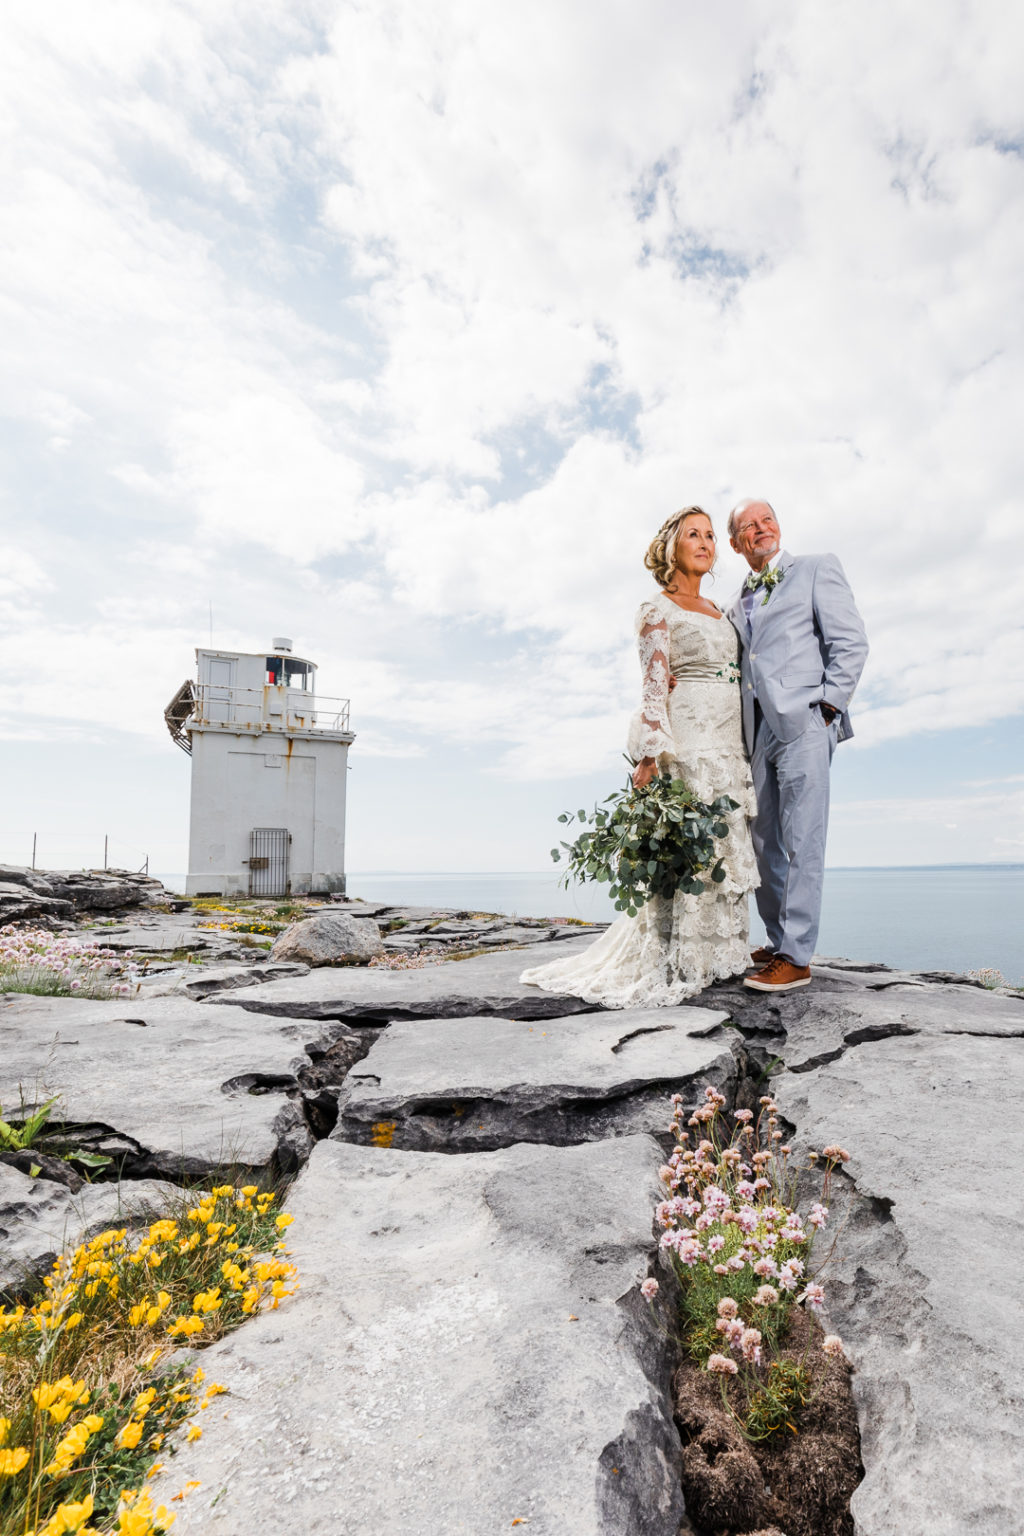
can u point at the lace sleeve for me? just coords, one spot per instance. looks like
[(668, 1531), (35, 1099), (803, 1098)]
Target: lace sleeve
[(650, 733)]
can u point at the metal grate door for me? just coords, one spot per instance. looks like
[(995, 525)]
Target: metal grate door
[(268, 861)]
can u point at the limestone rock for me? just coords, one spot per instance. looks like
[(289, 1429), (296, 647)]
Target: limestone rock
[(473, 1084), (487, 984), (227, 978), (924, 1085), (31, 893), (329, 938), (39, 1218), (164, 1085), (467, 1349), (20, 904)]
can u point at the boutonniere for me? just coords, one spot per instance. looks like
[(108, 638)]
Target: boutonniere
[(768, 578)]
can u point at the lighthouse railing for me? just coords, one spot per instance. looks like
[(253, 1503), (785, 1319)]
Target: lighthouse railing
[(270, 708)]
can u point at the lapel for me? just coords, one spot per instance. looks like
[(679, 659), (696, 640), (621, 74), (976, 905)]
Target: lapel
[(761, 608)]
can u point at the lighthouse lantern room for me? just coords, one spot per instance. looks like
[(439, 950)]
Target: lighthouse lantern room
[(269, 765)]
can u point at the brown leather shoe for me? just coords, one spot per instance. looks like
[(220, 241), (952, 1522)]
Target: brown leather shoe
[(779, 975), (762, 955)]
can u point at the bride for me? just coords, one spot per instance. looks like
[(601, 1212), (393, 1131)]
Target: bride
[(675, 947)]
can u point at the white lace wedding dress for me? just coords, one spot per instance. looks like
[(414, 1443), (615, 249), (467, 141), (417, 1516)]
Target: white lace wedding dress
[(674, 948)]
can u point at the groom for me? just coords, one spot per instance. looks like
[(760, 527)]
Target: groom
[(804, 649)]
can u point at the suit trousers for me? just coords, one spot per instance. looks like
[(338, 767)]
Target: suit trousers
[(791, 780)]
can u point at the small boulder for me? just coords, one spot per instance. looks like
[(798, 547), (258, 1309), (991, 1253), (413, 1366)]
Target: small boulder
[(330, 938)]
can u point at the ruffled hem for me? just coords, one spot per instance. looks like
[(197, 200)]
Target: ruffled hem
[(670, 951)]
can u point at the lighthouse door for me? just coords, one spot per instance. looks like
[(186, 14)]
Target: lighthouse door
[(268, 861)]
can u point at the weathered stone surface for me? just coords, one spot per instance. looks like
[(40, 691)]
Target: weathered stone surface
[(468, 1349), (227, 978), (39, 1218), (20, 904), (928, 1273), (82, 889), (488, 984), (329, 938), (167, 1085), (474, 1084)]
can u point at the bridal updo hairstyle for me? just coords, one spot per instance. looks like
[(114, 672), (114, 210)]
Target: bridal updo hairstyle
[(660, 558)]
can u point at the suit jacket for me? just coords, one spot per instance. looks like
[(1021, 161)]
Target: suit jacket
[(806, 643)]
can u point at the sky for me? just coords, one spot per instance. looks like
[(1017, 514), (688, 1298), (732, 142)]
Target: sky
[(400, 328)]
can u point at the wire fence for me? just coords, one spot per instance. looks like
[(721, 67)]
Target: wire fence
[(75, 850)]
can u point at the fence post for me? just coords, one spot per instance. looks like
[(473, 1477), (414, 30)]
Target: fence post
[(106, 840), (34, 836)]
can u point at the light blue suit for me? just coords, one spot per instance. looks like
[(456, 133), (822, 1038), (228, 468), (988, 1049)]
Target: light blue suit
[(805, 644)]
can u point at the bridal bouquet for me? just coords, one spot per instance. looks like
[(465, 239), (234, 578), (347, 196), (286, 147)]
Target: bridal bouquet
[(648, 842)]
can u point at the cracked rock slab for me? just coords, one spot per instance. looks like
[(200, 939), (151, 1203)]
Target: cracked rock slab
[(467, 1350), (487, 984), (473, 1084), (927, 1289), (165, 1083), (842, 1011), (40, 1219)]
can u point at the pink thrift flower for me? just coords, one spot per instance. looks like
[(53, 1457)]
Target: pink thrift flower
[(766, 1296), (744, 1114), (721, 1365), (649, 1290), (832, 1344), (765, 1268), (750, 1344), (716, 1243), (813, 1296), (728, 1307)]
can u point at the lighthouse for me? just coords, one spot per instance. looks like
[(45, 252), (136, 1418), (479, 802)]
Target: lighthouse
[(269, 765)]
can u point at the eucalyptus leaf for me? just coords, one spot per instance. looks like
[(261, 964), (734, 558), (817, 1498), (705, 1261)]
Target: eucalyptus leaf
[(650, 842)]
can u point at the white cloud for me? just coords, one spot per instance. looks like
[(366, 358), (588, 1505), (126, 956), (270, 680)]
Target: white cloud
[(403, 329)]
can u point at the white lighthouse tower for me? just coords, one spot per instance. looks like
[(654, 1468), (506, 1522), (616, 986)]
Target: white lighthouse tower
[(269, 765)]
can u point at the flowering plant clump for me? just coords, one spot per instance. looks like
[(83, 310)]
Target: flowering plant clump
[(83, 1407), (61, 965), (742, 1253)]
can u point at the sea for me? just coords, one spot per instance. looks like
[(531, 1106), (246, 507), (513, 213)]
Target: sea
[(955, 917)]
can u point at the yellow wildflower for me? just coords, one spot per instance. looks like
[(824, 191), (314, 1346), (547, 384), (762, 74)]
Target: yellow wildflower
[(163, 1231), (129, 1435), (144, 1402), (207, 1301), (137, 1517), (223, 1191), (249, 1190), (73, 1321), (68, 1518), (185, 1326), (283, 1221), (13, 1460), (5, 1429), (194, 1432), (71, 1447), (199, 1375), (137, 1314)]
